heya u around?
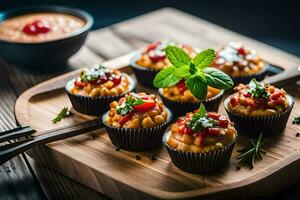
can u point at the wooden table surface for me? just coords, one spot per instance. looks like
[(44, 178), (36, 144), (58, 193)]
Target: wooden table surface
[(21, 177)]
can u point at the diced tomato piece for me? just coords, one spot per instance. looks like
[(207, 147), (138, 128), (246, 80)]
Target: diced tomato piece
[(181, 85), (276, 95), (247, 94), (233, 101), (145, 106), (145, 98), (213, 115), (80, 84), (242, 51), (202, 136), (223, 122), (214, 131), (279, 101), (188, 131), (152, 46), (157, 58), (126, 118), (179, 120)]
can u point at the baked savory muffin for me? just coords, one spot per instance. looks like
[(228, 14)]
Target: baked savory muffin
[(258, 107), (181, 100), (240, 63), (96, 87), (195, 136), (136, 121), (153, 59)]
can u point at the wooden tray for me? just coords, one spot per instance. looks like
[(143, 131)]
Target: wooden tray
[(91, 159)]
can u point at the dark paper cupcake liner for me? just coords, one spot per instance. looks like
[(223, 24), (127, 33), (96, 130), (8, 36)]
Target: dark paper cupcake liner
[(246, 79), (252, 126), (139, 139), (180, 108), (144, 75), (94, 106), (200, 162)]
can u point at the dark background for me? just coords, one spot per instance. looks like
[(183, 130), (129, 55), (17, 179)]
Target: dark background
[(273, 22)]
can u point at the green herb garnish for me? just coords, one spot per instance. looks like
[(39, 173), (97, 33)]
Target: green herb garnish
[(199, 120), (296, 120), (65, 112), (195, 72), (258, 90), (127, 106), (252, 152), (93, 74)]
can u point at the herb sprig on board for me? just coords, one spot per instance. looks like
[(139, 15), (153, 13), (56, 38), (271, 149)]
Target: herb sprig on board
[(258, 90), (65, 112), (296, 120), (252, 152), (127, 106), (195, 72)]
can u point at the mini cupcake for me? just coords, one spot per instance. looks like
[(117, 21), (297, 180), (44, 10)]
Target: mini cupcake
[(200, 142), (189, 81), (240, 63), (259, 108), (137, 122), (96, 87), (180, 99), (153, 59)]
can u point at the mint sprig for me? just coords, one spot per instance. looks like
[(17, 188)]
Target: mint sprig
[(195, 72)]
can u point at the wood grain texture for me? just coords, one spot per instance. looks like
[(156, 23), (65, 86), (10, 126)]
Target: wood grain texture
[(92, 160), (126, 36)]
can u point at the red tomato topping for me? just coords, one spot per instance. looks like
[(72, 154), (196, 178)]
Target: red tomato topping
[(223, 122), (214, 131), (181, 85), (145, 106), (242, 51), (213, 115), (152, 46), (157, 58), (276, 95), (126, 118), (80, 84), (279, 101), (247, 94), (233, 101), (36, 27)]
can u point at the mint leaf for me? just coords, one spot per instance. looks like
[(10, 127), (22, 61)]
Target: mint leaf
[(197, 86), (202, 111), (166, 78), (138, 102), (177, 56), (217, 79), (183, 71), (204, 58)]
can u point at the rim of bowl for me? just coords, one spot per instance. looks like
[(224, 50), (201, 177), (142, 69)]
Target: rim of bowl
[(46, 8), (290, 100), (70, 83)]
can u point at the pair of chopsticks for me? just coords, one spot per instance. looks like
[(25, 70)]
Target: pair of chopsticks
[(20, 139)]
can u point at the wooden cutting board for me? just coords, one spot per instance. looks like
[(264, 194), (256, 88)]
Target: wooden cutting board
[(92, 160)]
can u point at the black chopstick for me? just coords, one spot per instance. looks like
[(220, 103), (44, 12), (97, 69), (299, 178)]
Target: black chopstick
[(12, 150), (16, 133)]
